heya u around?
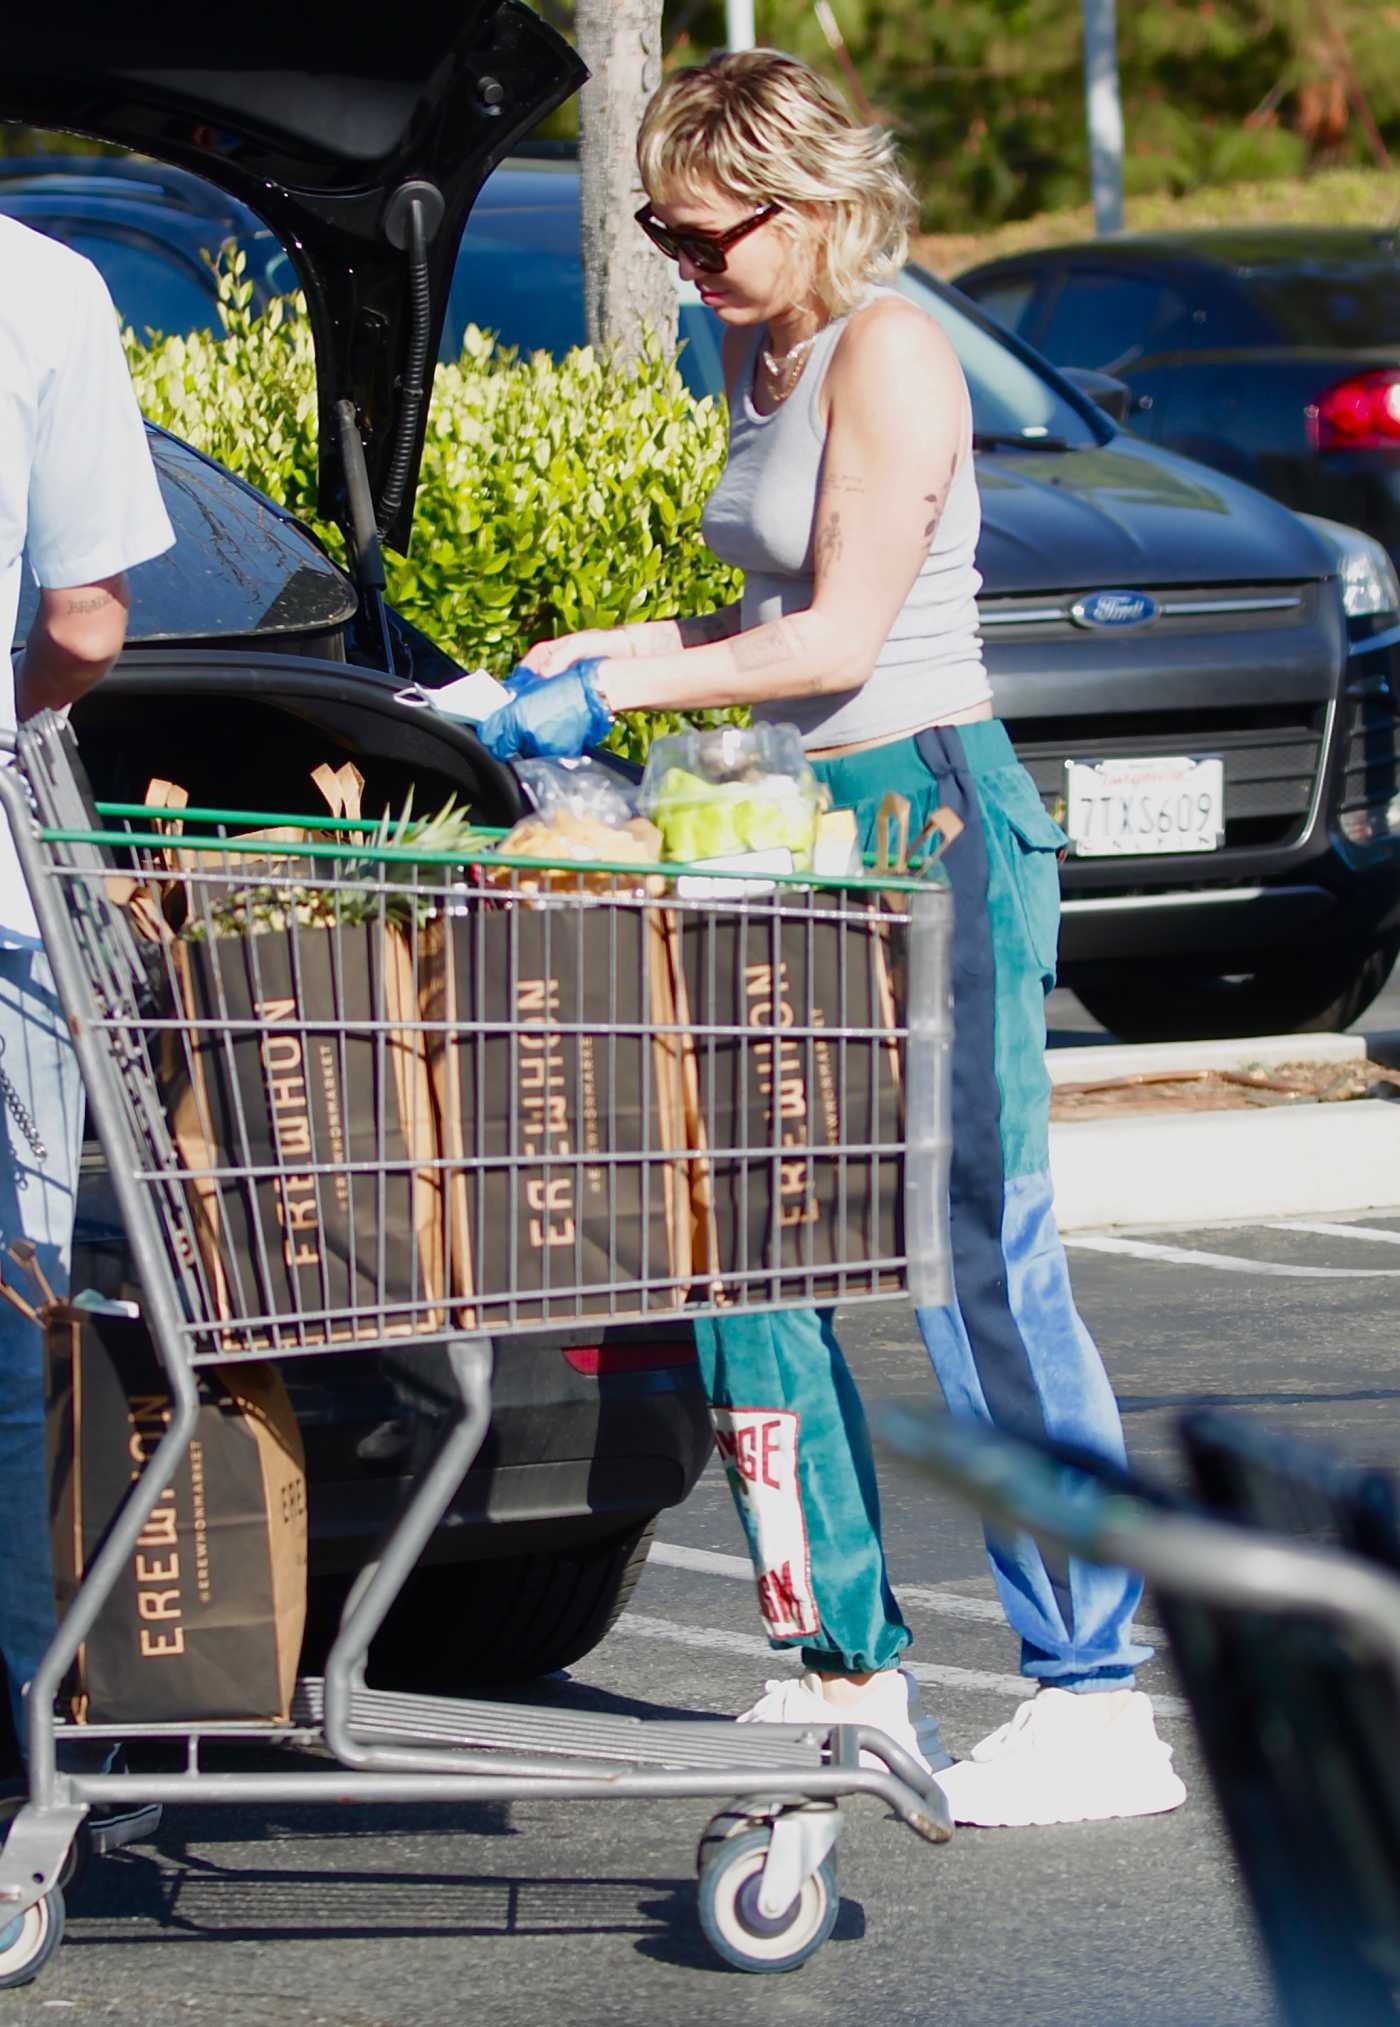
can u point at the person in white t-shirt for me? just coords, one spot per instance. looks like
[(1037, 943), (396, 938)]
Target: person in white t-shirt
[(79, 495)]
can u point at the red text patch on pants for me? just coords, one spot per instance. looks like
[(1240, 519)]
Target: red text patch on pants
[(759, 1448)]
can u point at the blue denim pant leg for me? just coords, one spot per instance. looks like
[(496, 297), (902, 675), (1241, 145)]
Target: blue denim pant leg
[(37, 1201), (1011, 1348), (1073, 1618)]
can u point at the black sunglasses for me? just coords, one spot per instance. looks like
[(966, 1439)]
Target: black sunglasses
[(706, 250)]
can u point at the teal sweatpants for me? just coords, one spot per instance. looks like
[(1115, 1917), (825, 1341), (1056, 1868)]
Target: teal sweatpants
[(1010, 1348)]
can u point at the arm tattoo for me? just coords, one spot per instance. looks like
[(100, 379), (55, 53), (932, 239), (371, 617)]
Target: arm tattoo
[(94, 603), (843, 482), (936, 501), (763, 648), (829, 543)]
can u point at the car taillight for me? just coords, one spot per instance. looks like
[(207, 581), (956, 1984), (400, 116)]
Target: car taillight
[(1362, 413), (596, 1361)]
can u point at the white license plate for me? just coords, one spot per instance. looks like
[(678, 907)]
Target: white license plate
[(1123, 808)]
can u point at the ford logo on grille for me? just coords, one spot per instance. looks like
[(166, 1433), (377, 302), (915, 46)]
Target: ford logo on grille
[(1114, 608)]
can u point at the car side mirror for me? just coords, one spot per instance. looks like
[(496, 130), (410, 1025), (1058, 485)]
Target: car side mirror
[(1115, 397)]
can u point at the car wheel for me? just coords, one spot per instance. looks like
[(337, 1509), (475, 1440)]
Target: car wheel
[(1319, 991), (464, 1625)]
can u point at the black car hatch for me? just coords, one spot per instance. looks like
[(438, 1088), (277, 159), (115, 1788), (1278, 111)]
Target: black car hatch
[(360, 136)]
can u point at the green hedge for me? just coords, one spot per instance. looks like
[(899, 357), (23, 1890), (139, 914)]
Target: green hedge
[(554, 494)]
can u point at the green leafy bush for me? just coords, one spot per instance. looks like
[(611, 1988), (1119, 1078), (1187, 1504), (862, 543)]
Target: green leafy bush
[(247, 396), (555, 494)]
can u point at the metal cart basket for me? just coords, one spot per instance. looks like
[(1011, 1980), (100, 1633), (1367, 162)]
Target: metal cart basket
[(354, 1092)]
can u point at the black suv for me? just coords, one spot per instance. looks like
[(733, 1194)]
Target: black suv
[(1203, 686)]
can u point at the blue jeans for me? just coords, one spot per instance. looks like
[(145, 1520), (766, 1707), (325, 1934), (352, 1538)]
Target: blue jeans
[(37, 1202), (1010, 1348)]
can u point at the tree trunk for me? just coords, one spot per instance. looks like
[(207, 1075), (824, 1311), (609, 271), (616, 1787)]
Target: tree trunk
[(627, 284)]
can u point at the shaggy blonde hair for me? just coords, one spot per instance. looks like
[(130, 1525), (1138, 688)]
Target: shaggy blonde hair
[(767, 129)]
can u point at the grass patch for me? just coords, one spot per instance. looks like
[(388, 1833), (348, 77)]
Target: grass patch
[(1332, 197)]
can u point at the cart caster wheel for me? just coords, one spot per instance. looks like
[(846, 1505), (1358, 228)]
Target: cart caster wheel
[(28, 1940), (733, 1821), (74, 1867), (734, 1925)]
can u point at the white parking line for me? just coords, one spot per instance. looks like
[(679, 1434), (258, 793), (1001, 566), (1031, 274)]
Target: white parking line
[(1377, 1234), (925, 1597), (1225, 1263), (712, 1641), (706, 1561)]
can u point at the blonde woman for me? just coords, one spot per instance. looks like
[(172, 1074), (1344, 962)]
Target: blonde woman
[(850, 501)]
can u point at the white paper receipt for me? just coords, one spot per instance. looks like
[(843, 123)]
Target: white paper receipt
[(778, 859), (472, 697)]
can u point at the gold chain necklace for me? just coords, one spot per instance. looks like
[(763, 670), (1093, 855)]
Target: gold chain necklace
[(785, 368), (778, 363)]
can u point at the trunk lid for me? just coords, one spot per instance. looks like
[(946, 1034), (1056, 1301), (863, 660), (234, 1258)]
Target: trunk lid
[(336, 126)]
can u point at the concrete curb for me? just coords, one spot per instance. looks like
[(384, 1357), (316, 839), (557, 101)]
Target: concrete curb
[(1125, 1059), (1208, 1167), (1217, 1166)]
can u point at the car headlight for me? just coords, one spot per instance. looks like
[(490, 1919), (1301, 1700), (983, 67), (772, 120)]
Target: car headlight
[(1367, 576)]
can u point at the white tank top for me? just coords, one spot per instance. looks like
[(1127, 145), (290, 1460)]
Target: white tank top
[(760, 516)]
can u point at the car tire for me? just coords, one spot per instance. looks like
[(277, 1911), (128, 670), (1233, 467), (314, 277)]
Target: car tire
[(1317, 992), (460, 1626)]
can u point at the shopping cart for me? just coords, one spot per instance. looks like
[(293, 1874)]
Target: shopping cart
[(1279, 1589), (356, 1093)]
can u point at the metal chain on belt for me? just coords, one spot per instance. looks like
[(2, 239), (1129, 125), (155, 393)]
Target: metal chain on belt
[(22, 1116)]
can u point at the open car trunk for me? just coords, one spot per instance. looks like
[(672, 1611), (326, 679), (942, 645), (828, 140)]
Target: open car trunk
[(241, 730), (360, 139)]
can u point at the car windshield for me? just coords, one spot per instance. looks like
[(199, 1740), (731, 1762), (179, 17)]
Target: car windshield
[(1010, 398), (1353, 303)]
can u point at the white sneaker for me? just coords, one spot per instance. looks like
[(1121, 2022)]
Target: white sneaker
[(1067, 1758), (890, 1702)]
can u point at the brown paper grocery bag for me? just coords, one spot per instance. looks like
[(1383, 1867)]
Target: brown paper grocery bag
[(206, 1621), (160, 900), (559, 1097), (794, 1099), (300, 1048)]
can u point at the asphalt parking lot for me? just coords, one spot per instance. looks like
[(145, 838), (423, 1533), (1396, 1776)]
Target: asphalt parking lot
[(416, 1917)]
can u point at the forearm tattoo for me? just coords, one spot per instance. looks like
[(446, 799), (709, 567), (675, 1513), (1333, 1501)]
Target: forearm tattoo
[(764, 647), (643, 637)]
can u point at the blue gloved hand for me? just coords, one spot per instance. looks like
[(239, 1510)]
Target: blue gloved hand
[(521, 680), (555, 718)]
